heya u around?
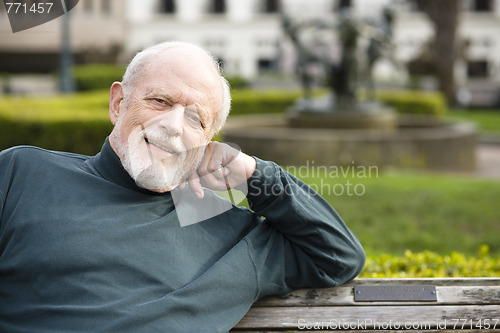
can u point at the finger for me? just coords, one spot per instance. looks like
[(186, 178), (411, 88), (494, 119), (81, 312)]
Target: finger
[(205, 161), (211, 163), (221, 156), (216, 170), (194, 183), (215, 161), (210, 181)]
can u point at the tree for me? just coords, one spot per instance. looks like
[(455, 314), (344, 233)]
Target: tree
[(444, 14)]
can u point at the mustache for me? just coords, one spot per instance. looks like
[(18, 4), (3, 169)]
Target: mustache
[(163, 140), (171, 144)]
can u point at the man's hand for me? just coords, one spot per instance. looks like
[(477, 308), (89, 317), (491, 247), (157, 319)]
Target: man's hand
[(222, 168)]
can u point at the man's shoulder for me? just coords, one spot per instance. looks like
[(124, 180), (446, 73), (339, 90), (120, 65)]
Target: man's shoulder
[(21, 152), (31, 156)]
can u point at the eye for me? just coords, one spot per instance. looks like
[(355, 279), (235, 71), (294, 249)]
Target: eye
[(193, 118), (159, 100)]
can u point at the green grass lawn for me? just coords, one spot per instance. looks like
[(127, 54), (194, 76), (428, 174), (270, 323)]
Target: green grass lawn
[(398, 211), (417, 224), (488, 121)]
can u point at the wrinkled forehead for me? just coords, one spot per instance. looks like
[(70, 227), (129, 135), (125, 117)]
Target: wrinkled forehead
[(190, 63)]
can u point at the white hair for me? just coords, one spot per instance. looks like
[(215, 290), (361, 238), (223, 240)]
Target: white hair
[(135, 72)]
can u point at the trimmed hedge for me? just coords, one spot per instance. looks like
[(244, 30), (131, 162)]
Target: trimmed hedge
[(79, 122), (76, 123), (97, 76), (430, 264), (101, 76), (414, 101), (249, 101)]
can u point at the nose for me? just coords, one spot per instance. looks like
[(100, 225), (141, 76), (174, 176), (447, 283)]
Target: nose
[(172, 121)]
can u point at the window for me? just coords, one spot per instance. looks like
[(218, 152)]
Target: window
[(265, 65), (477, 69), (271, 6), (343, 4), (483, 6), (168, 7), (88, 6), (218, 7), (106, 6)]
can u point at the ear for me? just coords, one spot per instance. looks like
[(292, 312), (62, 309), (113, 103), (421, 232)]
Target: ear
[(115, 101)]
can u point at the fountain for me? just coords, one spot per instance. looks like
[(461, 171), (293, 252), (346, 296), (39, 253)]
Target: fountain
[(341, 128)]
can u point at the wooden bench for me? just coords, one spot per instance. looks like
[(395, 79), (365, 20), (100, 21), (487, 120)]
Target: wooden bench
[(436, 304)]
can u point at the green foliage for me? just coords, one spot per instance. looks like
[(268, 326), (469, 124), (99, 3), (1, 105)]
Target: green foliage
[(76, 123), (237, 82), (414, 101), (97, 76), (247, 101), (101, 76), (431, 264)]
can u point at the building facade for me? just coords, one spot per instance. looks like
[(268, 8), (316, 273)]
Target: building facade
[(96, 35), (246, 35)]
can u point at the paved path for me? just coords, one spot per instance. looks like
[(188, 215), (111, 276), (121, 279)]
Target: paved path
[(488, 161)]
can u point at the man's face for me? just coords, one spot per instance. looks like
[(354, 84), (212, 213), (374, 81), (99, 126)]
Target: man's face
[(166, 122)]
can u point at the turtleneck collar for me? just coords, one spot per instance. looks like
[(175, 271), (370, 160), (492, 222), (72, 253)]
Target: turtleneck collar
[(109, 166)]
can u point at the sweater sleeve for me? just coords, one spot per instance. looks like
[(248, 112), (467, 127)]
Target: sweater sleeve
[(302, 242)]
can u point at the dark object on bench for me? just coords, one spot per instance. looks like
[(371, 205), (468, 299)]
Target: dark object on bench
[(465, 304)]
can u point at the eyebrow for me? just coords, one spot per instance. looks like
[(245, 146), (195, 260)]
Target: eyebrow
[(153, 93)]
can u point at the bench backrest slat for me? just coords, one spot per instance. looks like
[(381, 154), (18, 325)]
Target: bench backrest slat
[(368, 317), (329, 308), (462, 291)]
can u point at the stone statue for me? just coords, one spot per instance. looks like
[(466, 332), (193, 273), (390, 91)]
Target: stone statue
[(304, 56), (361, 44), (347, 58), (344, 74)]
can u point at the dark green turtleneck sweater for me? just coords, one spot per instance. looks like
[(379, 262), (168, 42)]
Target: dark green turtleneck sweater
[(84, 249)]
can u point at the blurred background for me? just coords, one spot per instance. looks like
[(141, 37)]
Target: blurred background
[(248, 38), (439, 59)]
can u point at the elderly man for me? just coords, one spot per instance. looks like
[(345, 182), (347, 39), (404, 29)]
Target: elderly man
[(95, 244)]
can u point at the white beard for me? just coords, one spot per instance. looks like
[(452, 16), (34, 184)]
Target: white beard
[(152, 173)]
